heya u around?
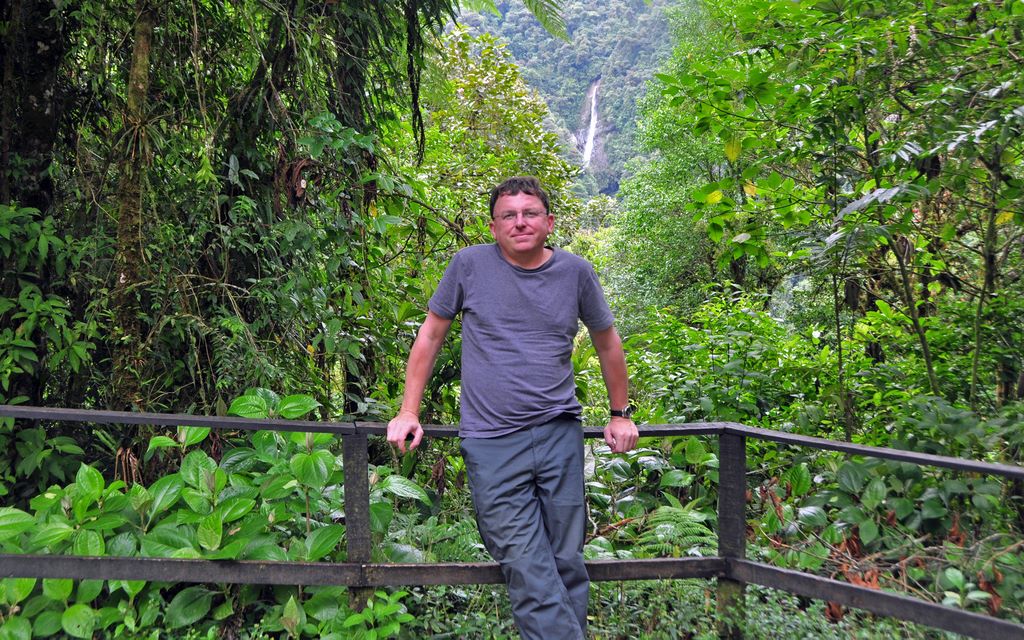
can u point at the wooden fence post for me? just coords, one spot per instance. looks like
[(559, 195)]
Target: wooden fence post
[(732, 530), (357, 510)]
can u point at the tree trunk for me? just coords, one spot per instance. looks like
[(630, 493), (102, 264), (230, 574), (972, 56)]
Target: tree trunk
[(915, 317), (126, 388), (988, 285)]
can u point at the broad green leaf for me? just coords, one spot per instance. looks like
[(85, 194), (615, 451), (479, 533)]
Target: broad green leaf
[(381, 514), (58, 589), (404, 488), (293, 617), (868, 531), (210, 531), (933, 508), (160, 442), (812, 516), (852, 476), (249, 407), (695, 451), (322, 541), (675, 478), (46, 624), (799, 479), (89, 482), (189, 606), (189, 436), (87, 543), (51, 534), (16, 628), (78, 621), (955, 577), (714, 197), (296, 406), (165, 493), (13, 522), (197, 470), (234, 508), (17, 589), (309, 469), (874, 494)]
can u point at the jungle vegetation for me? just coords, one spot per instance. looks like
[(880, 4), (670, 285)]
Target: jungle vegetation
[(242, 208)]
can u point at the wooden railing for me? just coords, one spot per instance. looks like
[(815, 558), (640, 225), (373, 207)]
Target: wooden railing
[(731, 568)]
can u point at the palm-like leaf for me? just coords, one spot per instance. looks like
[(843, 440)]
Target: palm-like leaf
[(547, 12), (674, 531)]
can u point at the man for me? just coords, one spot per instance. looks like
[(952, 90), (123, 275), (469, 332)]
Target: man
[(521, 303)]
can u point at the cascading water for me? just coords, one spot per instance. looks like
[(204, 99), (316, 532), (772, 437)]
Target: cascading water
[(588, 147)]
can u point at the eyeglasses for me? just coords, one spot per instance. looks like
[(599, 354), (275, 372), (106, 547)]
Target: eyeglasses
[(529, 215)]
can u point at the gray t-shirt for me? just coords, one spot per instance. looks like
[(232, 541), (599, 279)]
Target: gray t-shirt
[(518, 327)]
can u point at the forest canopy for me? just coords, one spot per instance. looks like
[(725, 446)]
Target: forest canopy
[(813, 222)]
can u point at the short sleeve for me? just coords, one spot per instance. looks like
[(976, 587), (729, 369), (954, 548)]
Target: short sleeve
[(450, 293), (594, 310)]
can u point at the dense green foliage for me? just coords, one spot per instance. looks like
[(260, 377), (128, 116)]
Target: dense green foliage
[(619, 42), (823, 233)]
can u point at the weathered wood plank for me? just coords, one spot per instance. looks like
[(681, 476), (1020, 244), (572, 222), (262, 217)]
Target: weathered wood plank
[(876, 601)]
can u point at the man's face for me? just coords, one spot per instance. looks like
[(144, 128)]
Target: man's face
[(521, 225)]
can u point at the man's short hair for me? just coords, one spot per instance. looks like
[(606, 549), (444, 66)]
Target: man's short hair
[(520, 184)]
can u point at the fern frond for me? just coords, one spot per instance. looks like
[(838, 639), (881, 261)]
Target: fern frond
[(549, 14), (675, 531)]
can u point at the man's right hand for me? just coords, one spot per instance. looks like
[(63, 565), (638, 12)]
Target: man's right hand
[(403, 425)]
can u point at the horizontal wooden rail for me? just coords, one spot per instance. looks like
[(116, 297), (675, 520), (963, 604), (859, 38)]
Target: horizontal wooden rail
[(329, 573), (731, 569), (445, 431)]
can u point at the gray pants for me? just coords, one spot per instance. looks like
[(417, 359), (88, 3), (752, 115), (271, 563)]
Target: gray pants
[(527, 489)]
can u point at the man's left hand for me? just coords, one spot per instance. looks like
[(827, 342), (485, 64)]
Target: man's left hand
[(621, 435)]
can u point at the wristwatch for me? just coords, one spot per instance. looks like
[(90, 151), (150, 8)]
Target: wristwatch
[(623, 413)]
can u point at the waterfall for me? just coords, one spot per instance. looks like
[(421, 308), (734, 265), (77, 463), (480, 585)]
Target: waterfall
[(588, 148)]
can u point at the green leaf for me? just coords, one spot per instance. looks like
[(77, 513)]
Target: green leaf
[(933, 508), (160, 442), (87, 543), (165, 493), (868, 531), (210, 531), (13, 522), (309, 469), (46, 624), (296, 406), (799, 479), (695, 451), (874, 494), (675, 478), (197, 470), (50, 534), (89, 482), (322, 541), (189, 436), (234, 508), (812, 516), (404, 488), (88, 590), (188, 606), (16, 628), (381, 514), (58, 589), (852, 476), (17, 589), (955, 577), (249, 406), (78, 621)]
